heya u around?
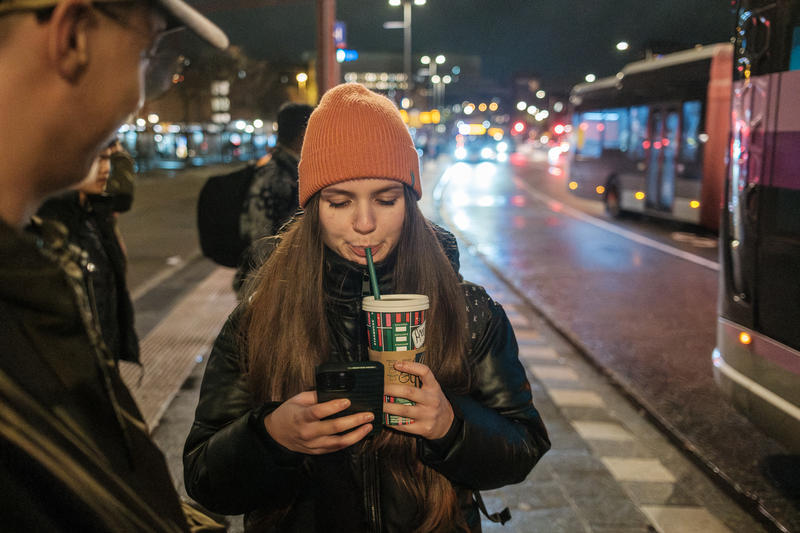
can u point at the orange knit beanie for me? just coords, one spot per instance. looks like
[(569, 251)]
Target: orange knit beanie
[(356, 133)]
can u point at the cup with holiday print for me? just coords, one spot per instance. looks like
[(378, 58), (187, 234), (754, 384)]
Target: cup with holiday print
[(396, 332)]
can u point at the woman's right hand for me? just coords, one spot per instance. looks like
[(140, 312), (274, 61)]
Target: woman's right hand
[(297, 425)]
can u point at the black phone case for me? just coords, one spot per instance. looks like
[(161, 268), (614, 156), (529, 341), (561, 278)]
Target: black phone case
[(365, 391)]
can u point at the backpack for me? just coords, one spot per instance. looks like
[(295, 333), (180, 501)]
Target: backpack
[(219, 208)]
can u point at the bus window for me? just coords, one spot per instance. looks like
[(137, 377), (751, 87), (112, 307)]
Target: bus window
[(638, 132), (667, 190), (591, 134), (615, 132), (690, 144)]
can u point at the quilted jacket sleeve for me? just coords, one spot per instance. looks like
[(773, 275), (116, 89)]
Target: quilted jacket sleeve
[(231, 464), (500, 435)]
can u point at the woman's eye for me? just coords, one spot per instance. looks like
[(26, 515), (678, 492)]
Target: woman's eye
[(336, 205), (387, 202)]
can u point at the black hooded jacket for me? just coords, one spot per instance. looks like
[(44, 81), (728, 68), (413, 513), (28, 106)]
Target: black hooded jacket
[(233, 466)]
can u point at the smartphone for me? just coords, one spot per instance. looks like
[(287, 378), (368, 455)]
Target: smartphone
[(359, 381)]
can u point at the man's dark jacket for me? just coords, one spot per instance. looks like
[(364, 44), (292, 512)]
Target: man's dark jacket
[(75, 454), (233, 466)]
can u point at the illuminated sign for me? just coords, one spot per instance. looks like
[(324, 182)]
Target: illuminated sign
[(343, 55), (339, 35)]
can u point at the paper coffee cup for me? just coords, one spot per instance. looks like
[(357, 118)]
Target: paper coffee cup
[(396, 332)]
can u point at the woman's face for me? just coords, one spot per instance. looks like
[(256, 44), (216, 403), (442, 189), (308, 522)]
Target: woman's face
[(362, 213)]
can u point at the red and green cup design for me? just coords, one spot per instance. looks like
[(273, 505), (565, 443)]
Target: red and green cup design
[(396, 332)]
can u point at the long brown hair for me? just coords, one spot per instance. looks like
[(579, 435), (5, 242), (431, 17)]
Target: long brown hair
[(282, 350)]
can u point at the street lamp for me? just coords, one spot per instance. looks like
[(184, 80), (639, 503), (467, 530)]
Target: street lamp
[(622, 46), (407, 34), (437, 81)]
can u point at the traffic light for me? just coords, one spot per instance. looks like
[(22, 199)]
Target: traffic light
[(518, 128)]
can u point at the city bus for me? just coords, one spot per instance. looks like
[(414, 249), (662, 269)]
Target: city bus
[(756, 361), (652, 139)]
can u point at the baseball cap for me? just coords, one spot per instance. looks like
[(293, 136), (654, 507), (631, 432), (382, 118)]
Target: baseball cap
[(179, 14)]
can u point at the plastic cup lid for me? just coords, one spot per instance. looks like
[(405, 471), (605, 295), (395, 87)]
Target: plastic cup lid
[(396, 303)]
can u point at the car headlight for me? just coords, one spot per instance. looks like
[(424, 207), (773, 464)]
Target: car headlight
[(502, 146), (460, 153), (487, 153)]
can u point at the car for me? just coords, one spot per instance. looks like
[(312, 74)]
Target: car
[(476, 148)]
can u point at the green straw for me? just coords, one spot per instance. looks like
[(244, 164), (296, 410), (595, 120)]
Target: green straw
[(373, 278)]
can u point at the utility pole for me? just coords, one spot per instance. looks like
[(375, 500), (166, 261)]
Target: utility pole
[(327, 66), (407, 44)]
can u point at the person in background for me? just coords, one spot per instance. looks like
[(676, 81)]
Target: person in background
[(76, 453), (89, 217), (272, 198), (260, 443)]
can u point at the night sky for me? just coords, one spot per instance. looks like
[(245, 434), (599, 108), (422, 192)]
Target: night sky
[(559, 40)]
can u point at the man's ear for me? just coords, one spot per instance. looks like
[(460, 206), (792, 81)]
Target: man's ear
[(69, 37)]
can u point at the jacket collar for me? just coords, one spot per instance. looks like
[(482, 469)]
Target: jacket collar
[(343, 279), (30, 276)]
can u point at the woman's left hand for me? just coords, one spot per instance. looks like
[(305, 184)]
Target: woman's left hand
[(432, 414)]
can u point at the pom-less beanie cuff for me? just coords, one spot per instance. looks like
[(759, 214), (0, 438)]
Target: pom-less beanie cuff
[(355, 133)]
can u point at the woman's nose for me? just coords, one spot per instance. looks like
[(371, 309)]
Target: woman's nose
[(364, 220)]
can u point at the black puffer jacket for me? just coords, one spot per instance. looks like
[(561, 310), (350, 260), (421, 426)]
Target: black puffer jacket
[(233, 466)]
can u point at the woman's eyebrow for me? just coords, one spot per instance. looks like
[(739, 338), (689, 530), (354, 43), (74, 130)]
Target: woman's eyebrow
[(389, 188)]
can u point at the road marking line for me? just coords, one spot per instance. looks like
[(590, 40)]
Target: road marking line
[(554, 373), (529, 351), (560, 207), (575, 398), (601, 431), (519, 321), (631, 469), (674, 519), (527, 335)]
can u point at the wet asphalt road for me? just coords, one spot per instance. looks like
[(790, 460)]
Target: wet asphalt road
[(643, 314)]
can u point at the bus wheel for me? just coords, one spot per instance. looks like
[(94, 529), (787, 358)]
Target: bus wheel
[(611, 200)]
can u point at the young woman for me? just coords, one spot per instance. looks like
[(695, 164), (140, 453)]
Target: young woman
[(260, 445)]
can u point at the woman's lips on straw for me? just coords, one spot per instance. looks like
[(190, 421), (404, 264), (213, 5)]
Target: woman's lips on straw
[(361, 251)]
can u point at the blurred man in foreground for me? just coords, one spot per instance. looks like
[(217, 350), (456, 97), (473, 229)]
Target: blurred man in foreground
[(76, 454)]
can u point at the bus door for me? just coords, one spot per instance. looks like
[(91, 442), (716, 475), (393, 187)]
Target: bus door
[(748, 121), (662, 161)]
